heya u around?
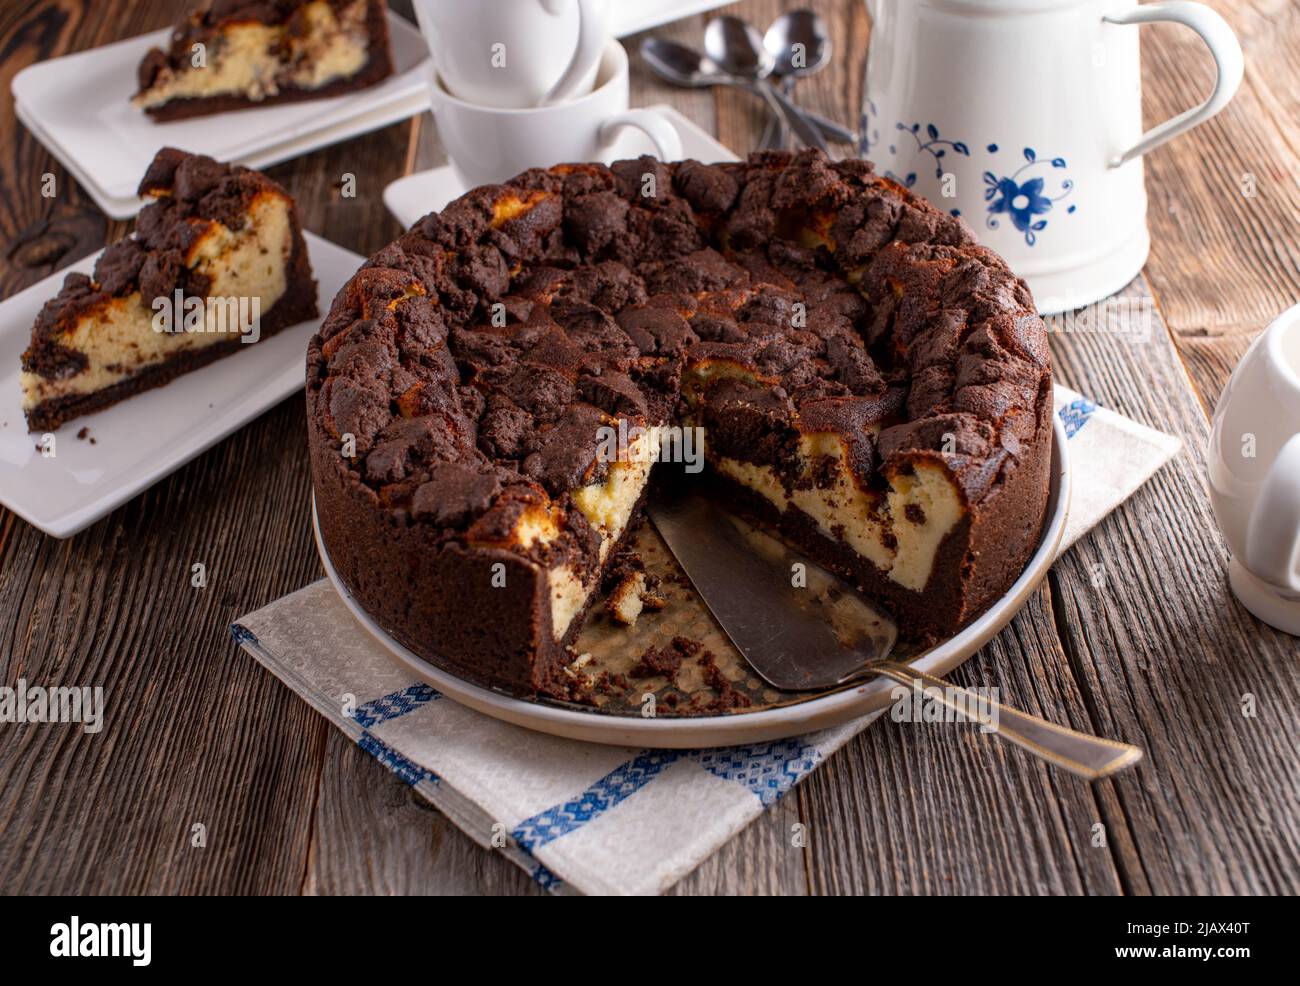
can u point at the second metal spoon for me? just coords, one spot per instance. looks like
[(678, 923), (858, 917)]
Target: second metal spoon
[(801, 46), (737, 48)]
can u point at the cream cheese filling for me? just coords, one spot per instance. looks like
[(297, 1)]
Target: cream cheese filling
[(608, 507), (119, 340), (899, 541), (899, 530), (249, 61), (929, 491)]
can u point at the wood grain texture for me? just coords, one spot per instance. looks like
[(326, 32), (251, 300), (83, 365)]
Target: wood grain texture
[(373, 834), (1224, 199), (1162, 648), (1134, 634), (945, 809)]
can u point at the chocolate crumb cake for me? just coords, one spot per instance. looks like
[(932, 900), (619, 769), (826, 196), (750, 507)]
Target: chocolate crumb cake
[(868, 380), (219, 250), (262, 52)]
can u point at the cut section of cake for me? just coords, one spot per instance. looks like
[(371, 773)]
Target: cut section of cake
[(865, 377), (240, 53), (216, 263)]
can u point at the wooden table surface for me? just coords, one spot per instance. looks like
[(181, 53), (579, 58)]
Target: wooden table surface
[(1134, 634)]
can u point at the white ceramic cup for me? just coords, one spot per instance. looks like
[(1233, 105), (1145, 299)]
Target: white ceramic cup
[(1254, 460), (515, 53), (1024, 117), (487, 144)]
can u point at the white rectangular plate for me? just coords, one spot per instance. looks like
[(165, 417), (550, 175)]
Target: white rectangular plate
[(145, 437), (417, 195), (126, 208), (81, 105)]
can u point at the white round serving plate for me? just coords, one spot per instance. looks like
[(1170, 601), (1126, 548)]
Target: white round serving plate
[(682, 732)]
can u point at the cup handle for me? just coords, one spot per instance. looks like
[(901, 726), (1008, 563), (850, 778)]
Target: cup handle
[(653, 125), (1223, 45), (1273, 531), (591, 43)]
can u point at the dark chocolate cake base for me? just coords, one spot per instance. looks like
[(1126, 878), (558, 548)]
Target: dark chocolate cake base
[(441, 602)]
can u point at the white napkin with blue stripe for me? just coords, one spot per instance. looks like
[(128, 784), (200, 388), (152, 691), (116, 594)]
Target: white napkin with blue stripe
[(583, 817)]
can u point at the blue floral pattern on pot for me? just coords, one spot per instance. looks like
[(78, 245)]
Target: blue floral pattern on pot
[(1021, 196), (936, 147)]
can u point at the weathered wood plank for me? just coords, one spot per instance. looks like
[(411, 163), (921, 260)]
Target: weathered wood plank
[(1165, 655), (1210, 361), (373, 834), (938, 808), (1225, 198), (195, 731)]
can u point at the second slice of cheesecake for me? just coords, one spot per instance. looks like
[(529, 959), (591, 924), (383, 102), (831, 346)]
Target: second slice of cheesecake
[(217, 262), (236, 54)]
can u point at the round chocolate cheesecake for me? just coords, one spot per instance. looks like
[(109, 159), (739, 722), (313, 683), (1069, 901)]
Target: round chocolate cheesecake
[(866, 378)]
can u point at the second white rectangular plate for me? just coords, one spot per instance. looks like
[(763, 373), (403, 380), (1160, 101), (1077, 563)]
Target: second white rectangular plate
[(145, 437), (81, 104), (343, 129)]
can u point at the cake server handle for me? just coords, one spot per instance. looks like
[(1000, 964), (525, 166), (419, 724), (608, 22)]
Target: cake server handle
[(1090, 757)]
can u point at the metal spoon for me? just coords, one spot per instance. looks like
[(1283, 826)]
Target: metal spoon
[(685, 66), (737, 47), (802, 33), (781, 44)]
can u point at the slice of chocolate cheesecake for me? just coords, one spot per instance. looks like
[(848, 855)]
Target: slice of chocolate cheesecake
[(240, 53), (217, 262)]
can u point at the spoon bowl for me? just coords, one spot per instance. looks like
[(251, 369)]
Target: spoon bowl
[(798, 36), (681, 65), (800, 45), (737, 47)]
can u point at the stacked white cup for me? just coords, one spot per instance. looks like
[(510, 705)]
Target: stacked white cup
[(529, 83)]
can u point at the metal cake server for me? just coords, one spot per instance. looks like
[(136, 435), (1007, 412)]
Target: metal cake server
[(802, 628)]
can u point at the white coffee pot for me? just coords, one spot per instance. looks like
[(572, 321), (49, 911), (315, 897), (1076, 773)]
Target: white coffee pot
[(1025, 118), (1254, 465)]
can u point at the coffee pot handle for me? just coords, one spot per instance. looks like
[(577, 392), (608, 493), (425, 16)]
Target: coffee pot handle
[(591, 43), (1223, 45), (1273, 531)]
